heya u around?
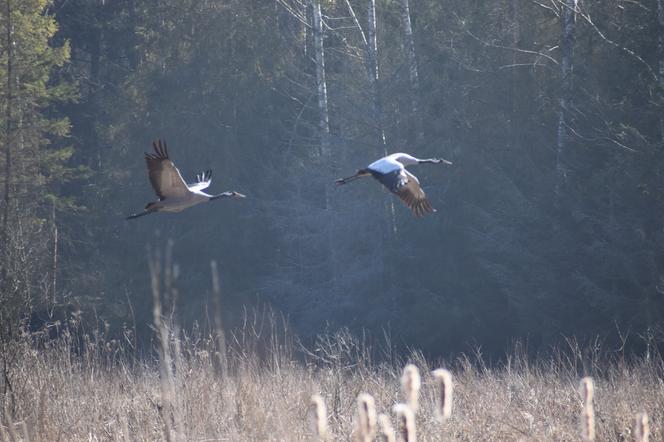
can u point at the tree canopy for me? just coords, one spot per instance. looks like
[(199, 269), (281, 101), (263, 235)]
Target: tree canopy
[(548, 223)]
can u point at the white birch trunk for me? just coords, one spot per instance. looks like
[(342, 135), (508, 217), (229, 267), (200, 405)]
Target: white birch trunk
[(324, 124), (372, 68), (660, 63), (7, 143), (568, 22), (371, 65), (412, 65)]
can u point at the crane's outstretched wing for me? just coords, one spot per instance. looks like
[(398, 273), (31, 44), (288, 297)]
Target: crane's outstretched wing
[(164, 176), (407, 187), (203, 181)]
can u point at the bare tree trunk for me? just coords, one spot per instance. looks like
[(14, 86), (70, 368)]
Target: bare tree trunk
[(372, 67), (660, 60), (568, 21), (8, 134), (54, 263), (324, 124), (412, 67), (304, 12), (94, 88)]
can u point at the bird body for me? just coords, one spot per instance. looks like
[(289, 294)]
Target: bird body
[(174, 193), (391, 172), (391, 163)]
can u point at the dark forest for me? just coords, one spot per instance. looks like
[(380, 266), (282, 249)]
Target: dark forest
[(548, 223)]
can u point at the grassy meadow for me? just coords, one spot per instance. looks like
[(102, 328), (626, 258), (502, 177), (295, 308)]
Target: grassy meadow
[(83, 387)]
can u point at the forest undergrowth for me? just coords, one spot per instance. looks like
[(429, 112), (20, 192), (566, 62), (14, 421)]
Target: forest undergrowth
[(257, 383)]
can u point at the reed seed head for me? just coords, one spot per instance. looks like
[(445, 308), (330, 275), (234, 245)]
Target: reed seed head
[(386, 430), (587, 390), (366, 413), (642, 428), (406, 423), (319, 417), (444, 391), (410, 382)]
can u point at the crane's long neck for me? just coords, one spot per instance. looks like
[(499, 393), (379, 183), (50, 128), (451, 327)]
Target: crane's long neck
[(360, 174), (434, 161)]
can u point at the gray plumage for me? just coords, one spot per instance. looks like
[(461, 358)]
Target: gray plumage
[(174, 193), (391, 172)]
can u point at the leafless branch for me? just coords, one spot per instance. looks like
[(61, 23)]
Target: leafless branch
[(610, 140), (296, 14), (510, 48), (357, 23), (586, 17), (552, 8), (519, 65)]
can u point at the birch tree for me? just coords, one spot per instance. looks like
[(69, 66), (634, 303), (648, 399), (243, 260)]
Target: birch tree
[(9, 73), (413, 73), (321, 86), (567, 21), (370, 47), (660, 66)]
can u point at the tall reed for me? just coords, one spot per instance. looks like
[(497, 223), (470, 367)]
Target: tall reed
[(410, 382), (319, 417), (587, 389), (641, 427), (366, 418), (444, 393), (386, 430), (406, 423)]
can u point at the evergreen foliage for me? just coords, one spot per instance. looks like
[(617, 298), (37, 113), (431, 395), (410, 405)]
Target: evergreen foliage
[(528, 242)]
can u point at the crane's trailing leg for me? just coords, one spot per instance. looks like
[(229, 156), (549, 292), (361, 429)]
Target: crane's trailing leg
[(137, 215)]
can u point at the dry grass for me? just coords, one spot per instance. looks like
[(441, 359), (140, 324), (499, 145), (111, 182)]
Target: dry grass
[(103, 394)]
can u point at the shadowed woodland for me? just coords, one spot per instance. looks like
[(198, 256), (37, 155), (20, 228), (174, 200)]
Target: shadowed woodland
[(543, 264), (548, 223)]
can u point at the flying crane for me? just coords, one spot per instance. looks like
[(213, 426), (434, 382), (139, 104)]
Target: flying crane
[(174, 193), (391, 172)]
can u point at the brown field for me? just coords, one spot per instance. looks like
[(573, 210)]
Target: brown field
[(263, 392)]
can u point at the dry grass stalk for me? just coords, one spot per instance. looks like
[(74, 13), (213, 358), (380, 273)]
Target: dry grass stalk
[(366, 422), (219, 329), (167, 410), (444, 393), (26, 433), (406, 423), (10, 424), (410, 382), (386, 430), (642, 428), (319, 417), (587, 389), (3, 434)]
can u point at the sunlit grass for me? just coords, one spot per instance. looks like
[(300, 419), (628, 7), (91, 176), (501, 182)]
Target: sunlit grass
[(87, 388)]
